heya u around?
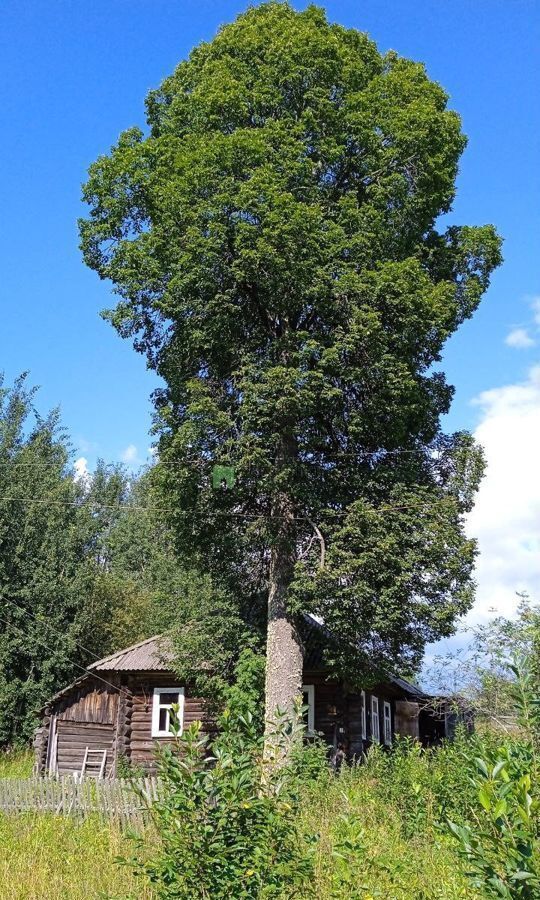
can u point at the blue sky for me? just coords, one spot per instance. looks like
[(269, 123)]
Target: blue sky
[(75, 74)]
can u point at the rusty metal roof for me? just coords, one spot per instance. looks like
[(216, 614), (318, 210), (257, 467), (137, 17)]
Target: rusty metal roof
[(152, 655), (155, 654)]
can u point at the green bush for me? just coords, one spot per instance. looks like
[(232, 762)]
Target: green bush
[(425, 786), (227, 824), (502, 844), (457, 821), (500, 848)]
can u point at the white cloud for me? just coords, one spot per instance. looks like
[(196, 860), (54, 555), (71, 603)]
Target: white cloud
[(81, 469), (519, 338), (506, 517), (86, 446), (535, 306), (130, 454)]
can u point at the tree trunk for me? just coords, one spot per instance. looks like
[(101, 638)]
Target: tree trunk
[(284, 649)]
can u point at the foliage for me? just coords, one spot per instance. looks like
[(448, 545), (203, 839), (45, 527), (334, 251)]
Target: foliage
[(272, 241), (374, 841), (502, 848), (227, 826), (381, 829), (245, 695), (424, 786), (146, 590), (207, 634), (483, 671), (51, 527), (86, 566)]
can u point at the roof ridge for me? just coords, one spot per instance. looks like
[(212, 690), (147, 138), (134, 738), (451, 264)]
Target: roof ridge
[(123, 650)]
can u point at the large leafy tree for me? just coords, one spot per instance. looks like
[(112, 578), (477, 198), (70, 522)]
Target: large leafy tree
[(60, 604), (272, 239), (86, 566), (47, 538)]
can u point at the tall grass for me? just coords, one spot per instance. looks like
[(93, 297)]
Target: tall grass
[(47, 857), (16, 764), (376, 826), (379, 830)]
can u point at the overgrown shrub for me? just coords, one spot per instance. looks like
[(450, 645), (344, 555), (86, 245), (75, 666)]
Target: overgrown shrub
[(456, 821), (227, 823), (502, 844), (425, 786)]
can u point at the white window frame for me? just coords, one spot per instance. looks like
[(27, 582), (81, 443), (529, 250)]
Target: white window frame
[(363, 714), (375, 733), (309, 689), (387, 723), (157, 706)]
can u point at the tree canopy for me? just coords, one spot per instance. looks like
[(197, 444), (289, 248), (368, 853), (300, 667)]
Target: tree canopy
[(272, 237), (85, 563)]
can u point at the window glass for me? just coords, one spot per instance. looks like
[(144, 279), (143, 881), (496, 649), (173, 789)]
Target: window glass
[(162, 714), (308, 700), (168, 699), (387, 723), (163, 719), (375, 727), (363, 714)]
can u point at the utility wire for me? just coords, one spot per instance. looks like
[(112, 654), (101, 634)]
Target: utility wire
[(77, 666), (84, 503), (37, 619), (327, 454)]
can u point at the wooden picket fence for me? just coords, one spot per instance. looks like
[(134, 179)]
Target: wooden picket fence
[(118, 799)]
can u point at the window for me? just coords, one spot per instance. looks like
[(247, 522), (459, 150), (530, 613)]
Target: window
[(164, 698), (387, 723), (375, 728), (308, 699), (363, 714)]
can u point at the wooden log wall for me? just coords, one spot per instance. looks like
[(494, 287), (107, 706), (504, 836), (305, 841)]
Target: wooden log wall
[(122, 740), (124, 712), (142, 745), (338, 713), (330, 708), (75, 737), (41, 743), (90, 701)]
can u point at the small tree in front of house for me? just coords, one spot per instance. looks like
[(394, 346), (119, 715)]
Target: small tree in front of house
[(272, 239), (220, 835)]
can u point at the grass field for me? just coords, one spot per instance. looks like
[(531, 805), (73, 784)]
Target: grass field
[(46, 857), (366, 850), (17, 764), (368, 846)]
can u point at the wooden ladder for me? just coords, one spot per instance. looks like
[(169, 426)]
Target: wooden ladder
[(102, 764)]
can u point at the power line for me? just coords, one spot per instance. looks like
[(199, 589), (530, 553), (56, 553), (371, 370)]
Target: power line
[(27, 612), (77, 666), (83, 503), (381, 454)]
